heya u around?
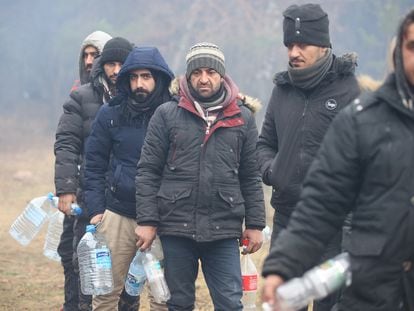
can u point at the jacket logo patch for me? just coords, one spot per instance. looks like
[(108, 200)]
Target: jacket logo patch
[(331, 104)]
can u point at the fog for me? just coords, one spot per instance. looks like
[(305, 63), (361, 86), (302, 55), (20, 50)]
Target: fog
[(40, 42)]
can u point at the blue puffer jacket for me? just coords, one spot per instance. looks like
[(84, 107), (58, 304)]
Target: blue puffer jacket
[(114, 146)]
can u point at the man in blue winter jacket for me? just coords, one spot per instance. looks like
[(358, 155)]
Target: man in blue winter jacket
[(112, 153)]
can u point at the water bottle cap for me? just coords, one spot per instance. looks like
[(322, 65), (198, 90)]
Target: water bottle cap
[(77, 210), (245, 242), (90, 228), (50, 196)]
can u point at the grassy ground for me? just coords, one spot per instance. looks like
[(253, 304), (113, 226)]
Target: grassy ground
[(28, 280)]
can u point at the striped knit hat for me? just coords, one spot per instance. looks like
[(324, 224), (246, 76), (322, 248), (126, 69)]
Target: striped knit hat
[(205, 54)]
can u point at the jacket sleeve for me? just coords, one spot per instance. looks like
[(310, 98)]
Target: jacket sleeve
[(97, 154), (68, 146), (250, 181), (267, 144), (150, 168), (329, 193)]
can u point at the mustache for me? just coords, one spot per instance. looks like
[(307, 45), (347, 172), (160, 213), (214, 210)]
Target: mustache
[(88, 67), (141, 91)]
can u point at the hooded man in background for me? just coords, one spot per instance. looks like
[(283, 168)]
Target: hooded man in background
[(71, 135), (91, 48)]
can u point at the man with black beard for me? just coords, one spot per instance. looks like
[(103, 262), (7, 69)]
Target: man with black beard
[(72, 132), (112, 153)]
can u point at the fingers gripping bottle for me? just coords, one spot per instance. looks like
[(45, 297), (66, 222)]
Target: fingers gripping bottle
[(31, 220), (136, 277), (249, 280), (55, 229), (95, 265), (317, 283), (155, 275)]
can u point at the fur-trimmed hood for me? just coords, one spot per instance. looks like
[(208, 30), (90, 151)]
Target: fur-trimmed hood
[(252, 103)]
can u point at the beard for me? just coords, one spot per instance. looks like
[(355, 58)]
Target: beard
[(140, 95)]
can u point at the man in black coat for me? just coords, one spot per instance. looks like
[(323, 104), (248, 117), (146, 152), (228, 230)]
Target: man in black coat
[(71, 135), (364, 165), (304, 101), (198, 182)]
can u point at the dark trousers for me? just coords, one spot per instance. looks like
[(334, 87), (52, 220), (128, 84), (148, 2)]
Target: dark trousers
[(73, 231), (333, 248), (220, 262)]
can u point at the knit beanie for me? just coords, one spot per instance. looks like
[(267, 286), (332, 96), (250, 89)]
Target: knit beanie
[(205, 54), (307, 24), (116, 50)]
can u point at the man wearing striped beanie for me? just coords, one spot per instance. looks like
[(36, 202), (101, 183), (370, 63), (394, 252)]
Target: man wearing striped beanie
[(198, 183)]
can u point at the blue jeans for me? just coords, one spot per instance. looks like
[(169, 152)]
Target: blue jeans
[(220, 263)]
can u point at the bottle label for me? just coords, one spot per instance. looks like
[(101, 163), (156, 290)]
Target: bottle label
[(249, 282), (103, 258)]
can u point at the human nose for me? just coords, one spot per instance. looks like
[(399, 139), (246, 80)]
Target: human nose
[(89, 59), (294, 51), (117, 68), (203, 77)]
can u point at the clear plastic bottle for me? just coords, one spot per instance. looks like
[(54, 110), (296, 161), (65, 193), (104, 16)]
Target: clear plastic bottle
[(136, 277), (55, 229), (31, 220), (317, 283), (267, 234), (155, 276), (249, 280), (95, 265)]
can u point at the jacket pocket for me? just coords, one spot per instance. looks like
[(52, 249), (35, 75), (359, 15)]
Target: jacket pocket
[(174, 204), (227, 210), (365, 244)]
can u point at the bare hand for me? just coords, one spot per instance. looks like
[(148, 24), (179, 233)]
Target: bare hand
[(96, 219), (255, 238), (145, 236), (271, 283), (65, 201)]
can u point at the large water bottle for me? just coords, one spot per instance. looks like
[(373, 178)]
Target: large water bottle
[(155, 276), (249, 280), (95, 265), (136, 277), (31, 220), (317, 283), (54, 231)]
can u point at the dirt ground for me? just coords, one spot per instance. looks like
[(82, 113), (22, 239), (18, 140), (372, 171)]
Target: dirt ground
[(28, 280)]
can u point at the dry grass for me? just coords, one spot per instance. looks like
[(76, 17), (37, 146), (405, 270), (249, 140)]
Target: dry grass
[(28, 280)]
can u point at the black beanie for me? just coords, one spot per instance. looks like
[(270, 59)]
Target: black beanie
[(307, 24), (205, 54), (116, 50)]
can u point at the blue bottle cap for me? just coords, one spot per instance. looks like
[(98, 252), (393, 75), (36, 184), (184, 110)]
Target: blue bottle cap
[(90, 228), (76, 209)]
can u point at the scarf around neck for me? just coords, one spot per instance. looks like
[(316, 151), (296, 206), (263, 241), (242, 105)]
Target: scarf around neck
[(308, 78)]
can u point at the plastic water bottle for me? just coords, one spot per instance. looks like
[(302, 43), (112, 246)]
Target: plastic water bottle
[(317, 283), (75, 209), (155, 276), (31, 220), (54, 231), (249, 280), (136, 277), (95, 265)]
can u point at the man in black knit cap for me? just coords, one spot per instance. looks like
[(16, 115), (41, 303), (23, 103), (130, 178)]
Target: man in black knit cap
[(305, 99), (73, 129), (364, 165)]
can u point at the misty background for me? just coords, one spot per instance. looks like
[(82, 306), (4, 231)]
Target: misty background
[(40, 44)]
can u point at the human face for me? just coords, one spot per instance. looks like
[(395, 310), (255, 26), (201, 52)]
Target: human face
[(142, 83), (303, 55), (205, 81), (89, 54), (111, 70), (408, 54)]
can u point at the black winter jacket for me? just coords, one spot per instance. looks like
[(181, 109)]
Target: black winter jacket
[(73, 129), (365, 165), (294, 126), (197, 184)]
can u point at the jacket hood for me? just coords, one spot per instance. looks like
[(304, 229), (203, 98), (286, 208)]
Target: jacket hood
[(142, 58), (96, 39), (342, 65), (253, 104), (389, 94)]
